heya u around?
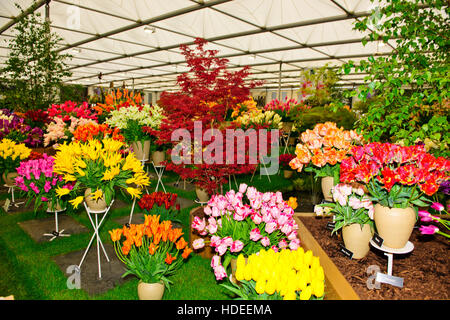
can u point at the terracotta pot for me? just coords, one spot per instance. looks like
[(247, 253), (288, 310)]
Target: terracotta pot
[(394, 225), (202, 194), (287, 126), (357, 240), (327, 184), (150, 291), (288, 174), (9, 178), (158, 157), (141, 149), (94, 205)]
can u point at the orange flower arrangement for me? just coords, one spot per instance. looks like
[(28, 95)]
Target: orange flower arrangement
[(325, 147), (116, 100), (152, 251), (91, 131)]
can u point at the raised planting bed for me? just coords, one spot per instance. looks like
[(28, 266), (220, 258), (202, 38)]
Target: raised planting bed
[(425, 270)]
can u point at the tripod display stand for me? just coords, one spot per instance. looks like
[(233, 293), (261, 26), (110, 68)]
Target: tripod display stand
[(57, 233)]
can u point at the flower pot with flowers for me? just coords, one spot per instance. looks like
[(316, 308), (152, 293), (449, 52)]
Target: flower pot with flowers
[(399, 179), (353, 213), (40, 183), (284, 160), (96, 131), (14, 127), (153, 252), (237, 225), (322, 150), (131, 121), (161, 204), (11, 154), (285, 110), (283, 275), (97, 168)]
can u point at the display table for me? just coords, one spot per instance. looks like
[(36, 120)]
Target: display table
[(57, 233)]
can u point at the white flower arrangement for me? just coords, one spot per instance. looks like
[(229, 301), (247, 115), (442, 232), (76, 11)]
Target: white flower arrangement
[(150, 116)]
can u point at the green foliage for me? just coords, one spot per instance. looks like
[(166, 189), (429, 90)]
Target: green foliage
[(72, 92), (33, 69), (133, 131), (319, 86), (413, 78), (309, 118)]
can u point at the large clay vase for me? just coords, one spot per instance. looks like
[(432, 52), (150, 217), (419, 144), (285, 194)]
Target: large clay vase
[(202, 194), (94, 205), (9, 178), (288, 174), (150, 291), (357, 240), (327, 184), (394, 225), (141, 149), (158, 157)]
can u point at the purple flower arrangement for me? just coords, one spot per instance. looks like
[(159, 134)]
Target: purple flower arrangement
[(237, 225), (13, 127), (38, 180)]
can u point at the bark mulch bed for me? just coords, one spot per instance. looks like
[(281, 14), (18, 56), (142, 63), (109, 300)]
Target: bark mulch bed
[(425, 270)]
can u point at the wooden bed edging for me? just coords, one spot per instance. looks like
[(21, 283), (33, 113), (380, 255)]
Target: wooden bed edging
[(336, 286)]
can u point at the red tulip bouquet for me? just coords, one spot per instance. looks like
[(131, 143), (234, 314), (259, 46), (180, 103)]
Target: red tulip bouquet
[(162, 204), (396, 176)]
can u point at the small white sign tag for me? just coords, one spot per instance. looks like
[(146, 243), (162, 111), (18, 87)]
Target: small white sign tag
[(392, 280)]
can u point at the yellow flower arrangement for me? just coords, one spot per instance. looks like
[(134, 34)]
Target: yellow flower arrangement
[(287, 274), (101, 166), (11, 154)]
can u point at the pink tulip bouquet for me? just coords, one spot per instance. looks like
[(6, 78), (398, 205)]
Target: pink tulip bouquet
[(264, 221), (426, 216), (38, 180)]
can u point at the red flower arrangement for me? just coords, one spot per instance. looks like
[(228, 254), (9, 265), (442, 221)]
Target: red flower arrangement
[(284, 160), (396, 176), (70, 108), (164, 202)]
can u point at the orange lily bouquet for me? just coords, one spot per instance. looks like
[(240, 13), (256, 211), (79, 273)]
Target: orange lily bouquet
[(152, 251), (324, 147)]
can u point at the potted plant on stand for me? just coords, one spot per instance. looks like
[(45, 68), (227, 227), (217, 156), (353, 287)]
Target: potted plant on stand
[(264, 221), (399, 179), (353, 213), (152, 251), (284, 164), (321, 151), (11, 154), (97, 167), (131, 121)]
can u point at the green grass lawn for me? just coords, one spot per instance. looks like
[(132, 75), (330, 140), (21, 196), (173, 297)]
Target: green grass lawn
[(28, 271)]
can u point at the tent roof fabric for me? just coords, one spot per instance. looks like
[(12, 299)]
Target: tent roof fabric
[(115, 38)]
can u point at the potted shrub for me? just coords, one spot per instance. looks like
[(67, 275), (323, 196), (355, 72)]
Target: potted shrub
[(131, 121), (265, 220), (399, 179), (284, 160), (152, 251), (97, 168), (353, 213), (11, 154), (161, 204), (40, 183), (282, 275), (321, 151)]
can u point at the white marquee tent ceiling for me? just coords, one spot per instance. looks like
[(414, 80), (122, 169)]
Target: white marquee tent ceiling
[(112, 37)]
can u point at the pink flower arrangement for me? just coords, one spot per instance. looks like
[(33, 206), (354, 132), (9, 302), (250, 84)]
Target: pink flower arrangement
[(70, 109), (264, 221), (40, 182)]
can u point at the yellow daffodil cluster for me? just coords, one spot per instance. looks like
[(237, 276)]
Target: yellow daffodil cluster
[(95, 162), (292, 274), (10, 149)]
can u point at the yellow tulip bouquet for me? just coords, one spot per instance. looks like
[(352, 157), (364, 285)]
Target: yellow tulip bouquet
[(286, 274), (11, 154), (99, 165)]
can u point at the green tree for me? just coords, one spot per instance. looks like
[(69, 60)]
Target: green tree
[(33, 70), (413, 81)]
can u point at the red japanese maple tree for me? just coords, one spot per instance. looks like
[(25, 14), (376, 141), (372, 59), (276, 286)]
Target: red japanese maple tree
[(208, 91)]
